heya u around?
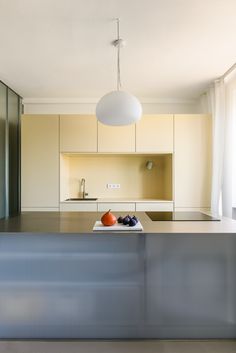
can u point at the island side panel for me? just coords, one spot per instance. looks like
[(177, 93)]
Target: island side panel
[(69, 286), (117, 286), (191, 286)]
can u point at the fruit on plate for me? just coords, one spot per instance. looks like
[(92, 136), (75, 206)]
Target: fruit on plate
[(108, 219), (132, 222), (120, 220), (126, 220)]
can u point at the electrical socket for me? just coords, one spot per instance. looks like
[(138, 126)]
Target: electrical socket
[(113, 186)]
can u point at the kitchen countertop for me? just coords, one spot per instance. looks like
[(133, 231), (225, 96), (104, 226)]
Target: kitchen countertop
[(82, 223), (118, 200)]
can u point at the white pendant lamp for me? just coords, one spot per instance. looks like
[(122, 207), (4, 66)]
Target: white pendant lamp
[(118, 107)]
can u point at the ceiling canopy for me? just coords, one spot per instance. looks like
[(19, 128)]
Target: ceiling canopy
[(62, 48)]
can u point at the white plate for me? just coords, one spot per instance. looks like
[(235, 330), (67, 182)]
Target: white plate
[(99, 226)]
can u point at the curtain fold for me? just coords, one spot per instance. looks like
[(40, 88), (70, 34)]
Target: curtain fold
[(217, 101), (221, 99)]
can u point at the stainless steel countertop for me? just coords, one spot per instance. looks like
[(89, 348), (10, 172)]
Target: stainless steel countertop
[(82, 223)]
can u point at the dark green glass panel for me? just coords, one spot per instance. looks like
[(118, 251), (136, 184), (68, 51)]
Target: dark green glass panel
[(3, 115), (13, 126)]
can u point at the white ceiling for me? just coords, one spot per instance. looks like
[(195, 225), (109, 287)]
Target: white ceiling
[(61, 48)]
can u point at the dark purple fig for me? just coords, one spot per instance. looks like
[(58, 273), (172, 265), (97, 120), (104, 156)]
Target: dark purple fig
[(132, 222), (120, 220), (126, 220), (135, 218)]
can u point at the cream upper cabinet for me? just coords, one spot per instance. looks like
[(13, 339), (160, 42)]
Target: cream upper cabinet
[(192, 172), (78, 133), (116, 138), (154, 133), (40, 162)]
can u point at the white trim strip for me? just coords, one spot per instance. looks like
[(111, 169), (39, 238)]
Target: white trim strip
[(95, 100)]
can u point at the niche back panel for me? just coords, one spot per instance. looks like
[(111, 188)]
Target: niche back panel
[(129, 171)]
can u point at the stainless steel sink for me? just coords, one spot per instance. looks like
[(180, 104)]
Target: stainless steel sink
[(82, 199)]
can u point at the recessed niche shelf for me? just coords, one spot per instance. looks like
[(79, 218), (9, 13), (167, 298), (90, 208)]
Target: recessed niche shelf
[(128, 170)]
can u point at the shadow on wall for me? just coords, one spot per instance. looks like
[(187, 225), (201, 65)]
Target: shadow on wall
[(234, 213)]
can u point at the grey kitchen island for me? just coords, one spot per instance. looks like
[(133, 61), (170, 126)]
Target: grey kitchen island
[(58, 279)]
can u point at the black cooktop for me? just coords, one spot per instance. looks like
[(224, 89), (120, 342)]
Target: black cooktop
[(180, 216)]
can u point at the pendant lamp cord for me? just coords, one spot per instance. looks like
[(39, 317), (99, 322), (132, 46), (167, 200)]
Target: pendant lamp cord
[(118, 56)]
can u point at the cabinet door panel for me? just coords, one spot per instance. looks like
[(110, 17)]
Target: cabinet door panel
[(116, 138), (40, 161), (78, 133), (154, 133), (154, 206), (192, 160), (122, 206), (79, 207)]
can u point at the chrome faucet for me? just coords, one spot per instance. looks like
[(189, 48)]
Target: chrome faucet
[(82, 186)]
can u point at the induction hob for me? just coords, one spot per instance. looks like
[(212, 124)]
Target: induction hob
[(180, 216)]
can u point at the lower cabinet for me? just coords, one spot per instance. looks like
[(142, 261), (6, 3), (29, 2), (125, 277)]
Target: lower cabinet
[(154, 206), (121, 206), (79, 207), (117, 206)]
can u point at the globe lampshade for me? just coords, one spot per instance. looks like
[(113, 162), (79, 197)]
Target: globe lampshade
[(118, 108)]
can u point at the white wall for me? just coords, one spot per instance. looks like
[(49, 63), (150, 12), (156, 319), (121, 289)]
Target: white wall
[(76, 106)]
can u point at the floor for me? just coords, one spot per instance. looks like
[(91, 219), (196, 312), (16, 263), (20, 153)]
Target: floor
[(150, 346)]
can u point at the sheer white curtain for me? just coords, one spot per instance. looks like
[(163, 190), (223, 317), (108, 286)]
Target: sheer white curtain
[(221, 100), (217, 100), (234, 151), (228, 181)]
